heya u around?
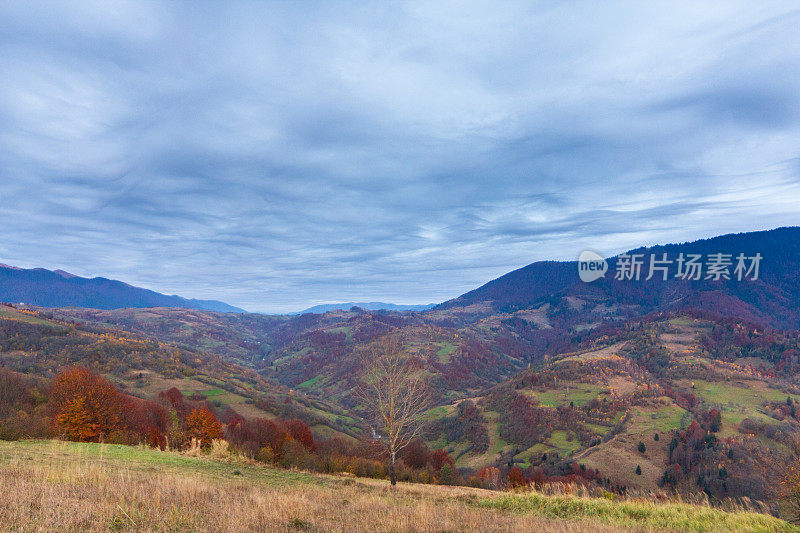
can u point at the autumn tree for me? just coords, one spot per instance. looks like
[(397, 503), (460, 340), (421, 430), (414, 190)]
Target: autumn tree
[(715, 422), (147, 421), (86, 407), (416, 454), (203, 425), (300, 432), (515, 478), (490, 477), (440, 458), (394, 394)]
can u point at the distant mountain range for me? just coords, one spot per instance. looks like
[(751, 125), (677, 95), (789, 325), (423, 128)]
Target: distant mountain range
[(773, 299), (46, 288), (368, 306)]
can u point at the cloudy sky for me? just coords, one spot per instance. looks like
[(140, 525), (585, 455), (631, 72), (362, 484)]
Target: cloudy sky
[(279, 155)]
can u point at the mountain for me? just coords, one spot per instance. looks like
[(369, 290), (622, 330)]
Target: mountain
[(46, 288), (772, 299), (368, 306)]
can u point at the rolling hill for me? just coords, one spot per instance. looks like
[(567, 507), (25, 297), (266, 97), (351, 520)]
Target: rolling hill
[(634, 406)]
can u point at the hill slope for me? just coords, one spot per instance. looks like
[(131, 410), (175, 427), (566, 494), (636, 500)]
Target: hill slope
[(635, 404), (47, 288), (772, 299), (37, 344), (101, 487)]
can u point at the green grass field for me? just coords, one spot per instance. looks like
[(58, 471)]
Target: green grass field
[(13, 314), (309, 383), (578, 393), (737, 402), (660, 419), (446, 349), (638, 514), (559, 441)]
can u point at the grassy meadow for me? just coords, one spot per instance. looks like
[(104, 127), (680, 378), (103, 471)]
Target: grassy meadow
[(59, 486)]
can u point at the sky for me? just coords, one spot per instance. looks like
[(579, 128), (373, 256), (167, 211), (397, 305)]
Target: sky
[(277, 155)]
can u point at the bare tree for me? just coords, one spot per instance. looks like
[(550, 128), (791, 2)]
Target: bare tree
[(395, 395)]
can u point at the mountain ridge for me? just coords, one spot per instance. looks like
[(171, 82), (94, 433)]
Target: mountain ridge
[(773, 298), (47, 288), (367, 306)]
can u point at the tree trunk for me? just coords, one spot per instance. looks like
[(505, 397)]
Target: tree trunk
[(392, 474)]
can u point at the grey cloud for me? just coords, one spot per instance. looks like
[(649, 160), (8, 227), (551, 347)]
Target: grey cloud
[(275, 155)]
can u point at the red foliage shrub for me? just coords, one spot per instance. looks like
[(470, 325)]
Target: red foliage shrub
[(439, 458), (148, 420), (250, 436), (301, 433), (174, 398), (416, 454), (515, 478), (489, 477)]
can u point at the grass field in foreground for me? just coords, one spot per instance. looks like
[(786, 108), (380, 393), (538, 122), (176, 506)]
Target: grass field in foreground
[(56, 486)]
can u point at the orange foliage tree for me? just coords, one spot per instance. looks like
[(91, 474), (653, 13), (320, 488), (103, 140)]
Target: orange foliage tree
[(86, 407), (203, 425)]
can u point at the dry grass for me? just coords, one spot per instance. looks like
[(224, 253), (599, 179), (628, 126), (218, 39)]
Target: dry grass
[(59, 487), (54, 486)]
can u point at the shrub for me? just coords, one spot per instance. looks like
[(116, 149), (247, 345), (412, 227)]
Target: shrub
[(448, 475), (490, 478), (220, 448), (266, 455), (301, 433), (294, 454), (515, 478), (440, 458)]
